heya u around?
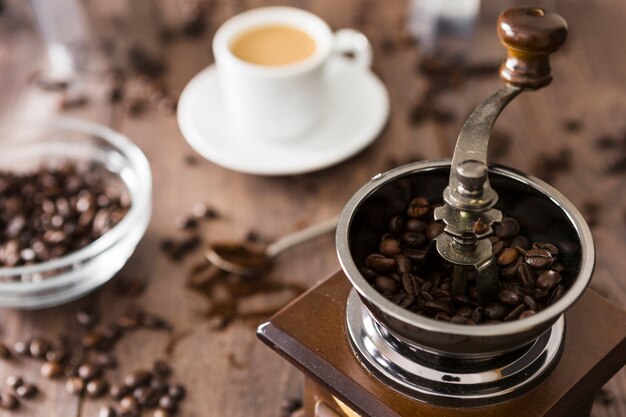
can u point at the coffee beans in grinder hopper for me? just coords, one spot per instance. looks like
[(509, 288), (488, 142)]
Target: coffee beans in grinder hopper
[(56, 210), (407, 270)]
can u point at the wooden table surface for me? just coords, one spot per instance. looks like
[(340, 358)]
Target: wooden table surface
[(229, 372)]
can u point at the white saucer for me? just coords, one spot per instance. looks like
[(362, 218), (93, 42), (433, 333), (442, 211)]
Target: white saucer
[(356, 109)]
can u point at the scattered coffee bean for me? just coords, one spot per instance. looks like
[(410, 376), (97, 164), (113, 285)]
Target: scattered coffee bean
[(129, 403), (186, 223), (137, 378), (8, 401), (96, 387), (15, 381), (119, 391), (26, 391), (168, 403), (38, 348), (5, 352), (87, 318), (89, 371), (51, 369), (107, 412), (162, 369), (176, 391)]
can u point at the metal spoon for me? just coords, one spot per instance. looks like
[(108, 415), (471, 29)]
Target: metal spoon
[(249, 260)]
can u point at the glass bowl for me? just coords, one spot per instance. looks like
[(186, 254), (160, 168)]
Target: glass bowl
[(25, 148)]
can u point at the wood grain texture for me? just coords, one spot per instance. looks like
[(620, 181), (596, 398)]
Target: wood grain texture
[(589, 84)]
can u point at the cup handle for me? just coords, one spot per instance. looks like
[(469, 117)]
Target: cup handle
[(350, 41)]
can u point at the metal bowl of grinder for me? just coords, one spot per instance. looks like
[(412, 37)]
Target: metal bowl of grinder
[(544, 215)]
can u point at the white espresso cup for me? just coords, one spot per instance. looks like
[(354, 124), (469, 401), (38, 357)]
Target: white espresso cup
[(280, 103)]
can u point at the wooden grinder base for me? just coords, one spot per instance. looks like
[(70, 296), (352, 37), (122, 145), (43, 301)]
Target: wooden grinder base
[(311, 334)]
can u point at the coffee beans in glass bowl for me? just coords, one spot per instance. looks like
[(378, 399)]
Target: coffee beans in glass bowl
[(75, 199), (407, 270)]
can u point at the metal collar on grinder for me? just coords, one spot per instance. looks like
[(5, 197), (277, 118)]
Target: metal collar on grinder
[(530, 35)]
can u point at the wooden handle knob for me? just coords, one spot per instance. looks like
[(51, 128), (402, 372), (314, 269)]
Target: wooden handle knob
[(530, 35)]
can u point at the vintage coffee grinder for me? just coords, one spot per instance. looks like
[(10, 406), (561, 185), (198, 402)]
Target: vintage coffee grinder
[(363, 355)]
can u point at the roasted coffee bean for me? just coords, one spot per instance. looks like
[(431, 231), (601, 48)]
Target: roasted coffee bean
[(462, 300), (515, 313), (395, 225), (409, 284), (146, 397), (51, 369), (176, 391), (38, 347), (442, 316), (89, 371), (158, 385), (94, 340), (438, 307), (507, 256), (496, 246), (548, 279), (118, 391), (525, 275), (389, 247), (106, 361), (203, 211), (56, 354), (137, 378), (434, 229), (5, 353), (556, 294), (152, 321), (74, 385), (87, 318), (404, 263), (129, 403), (414, 240), (418, 207), (554, 251), (14, 381), (478, 315), (439, 293), (162, 369), (510, 270), (186, 223), (8, 401), (128, 321), (406, 301), (538, 258), (480, 227), (168, 403), (509, 297), (557, 267), (507, 229), (495, 311), (386, 284), (458, 319), (368, 274), (530, 302), (415, 225), (527, 313), (380, 264), (96, 387), (107, 412)]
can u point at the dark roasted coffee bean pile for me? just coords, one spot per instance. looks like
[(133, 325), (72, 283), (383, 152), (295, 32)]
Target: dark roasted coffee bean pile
[(54, 211), (83, 368), (408, 271)]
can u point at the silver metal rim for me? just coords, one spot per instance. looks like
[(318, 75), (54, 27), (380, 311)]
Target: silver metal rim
[(514, 327), (399, 367)]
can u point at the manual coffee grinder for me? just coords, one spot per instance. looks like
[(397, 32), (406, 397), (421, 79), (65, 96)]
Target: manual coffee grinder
[(363, 355)]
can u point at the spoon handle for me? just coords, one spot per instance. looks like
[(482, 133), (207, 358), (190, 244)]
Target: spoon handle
[(301, 236)]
